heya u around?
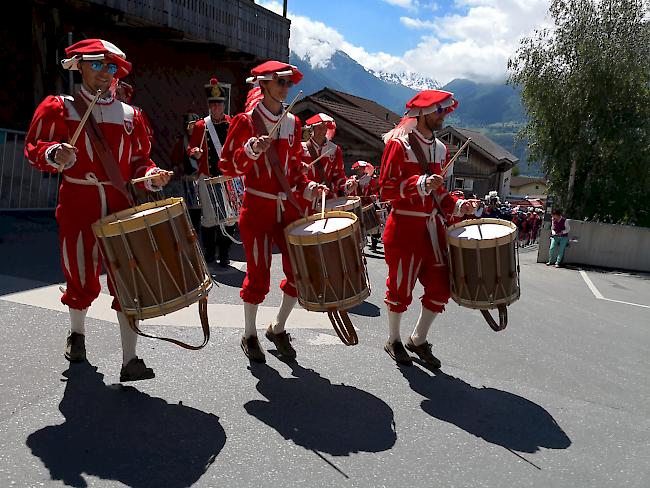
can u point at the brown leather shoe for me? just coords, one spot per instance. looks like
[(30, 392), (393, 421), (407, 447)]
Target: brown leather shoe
[(424, 353), (136, 370), (75, 347), (252, 349), (396, 351), (282, 342)]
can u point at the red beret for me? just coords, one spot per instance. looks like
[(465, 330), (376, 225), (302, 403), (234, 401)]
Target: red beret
[(96, 49), (428, 101), (267, 70)]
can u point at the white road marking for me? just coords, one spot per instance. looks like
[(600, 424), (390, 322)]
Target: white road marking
[(324, 340), (600, 296), (219, 314)]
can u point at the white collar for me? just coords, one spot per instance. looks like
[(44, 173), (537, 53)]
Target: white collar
[(267, 113), (100, 101)]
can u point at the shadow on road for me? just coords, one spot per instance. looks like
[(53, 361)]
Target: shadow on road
[(318, 415), (119, 433), (496, 416), (366, 309)]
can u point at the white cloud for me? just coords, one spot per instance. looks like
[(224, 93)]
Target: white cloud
[(475, 44), (416, 23)]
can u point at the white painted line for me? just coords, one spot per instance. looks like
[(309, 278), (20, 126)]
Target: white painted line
[(325, 340), (600, 296), (591, 285), (220, 314)]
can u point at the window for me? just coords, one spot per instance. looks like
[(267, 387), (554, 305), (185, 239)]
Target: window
[(463, 184)]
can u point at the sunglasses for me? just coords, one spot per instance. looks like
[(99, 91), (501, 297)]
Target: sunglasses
[(111, 68), (284, 82)]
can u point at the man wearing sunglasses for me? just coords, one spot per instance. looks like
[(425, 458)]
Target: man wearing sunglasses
[(277, 193), (204, 148), (411, 179), (92, 186)]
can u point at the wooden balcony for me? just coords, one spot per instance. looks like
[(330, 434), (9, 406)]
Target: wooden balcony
[(239, 25)]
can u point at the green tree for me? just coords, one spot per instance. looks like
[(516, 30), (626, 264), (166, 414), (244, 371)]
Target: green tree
[(586, 90)]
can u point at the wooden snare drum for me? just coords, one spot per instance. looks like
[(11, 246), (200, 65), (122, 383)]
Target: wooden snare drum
[(329, 267), (371, 221), (154, 261), (484, 266), (226, 197)]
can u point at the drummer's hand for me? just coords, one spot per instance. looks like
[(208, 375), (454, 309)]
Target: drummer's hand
[(351, 185), (162, 178), (433, 182), (65, 154), (319, 190), (305, 168), (261, 144), (470, 206), (196, 152)]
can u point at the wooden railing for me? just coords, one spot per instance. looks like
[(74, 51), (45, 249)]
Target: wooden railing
[(237, 24)]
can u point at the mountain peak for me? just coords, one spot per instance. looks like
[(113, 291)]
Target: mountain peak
[(410, 79)]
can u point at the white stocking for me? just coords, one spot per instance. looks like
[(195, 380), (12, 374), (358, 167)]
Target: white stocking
[(288, 302), (129, 338), (419, 335), (77, 320)]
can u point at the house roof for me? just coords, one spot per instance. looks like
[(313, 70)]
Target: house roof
[(491, 148), (369, 106), (357, 116), (518, 181)]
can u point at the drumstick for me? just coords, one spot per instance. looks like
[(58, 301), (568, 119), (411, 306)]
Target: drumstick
[(321, 156), (150, 177), (284, 114), (451, 161), (322, 204), (77, 132)]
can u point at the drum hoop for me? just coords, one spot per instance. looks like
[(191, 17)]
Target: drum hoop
[(113, 224), (169, 306), (482, 243), (321, 238), (486, 305), (218, 179), (356, 203), (337, 305)]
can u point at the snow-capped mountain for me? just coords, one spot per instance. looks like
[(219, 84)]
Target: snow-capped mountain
[(407, 78)]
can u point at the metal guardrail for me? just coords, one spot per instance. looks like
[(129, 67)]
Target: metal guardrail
[(23, 187)]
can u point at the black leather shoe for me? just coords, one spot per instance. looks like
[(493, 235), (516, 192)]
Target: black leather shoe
[(136, 370), (282, 343), (252, 349), (75, 347), (396, 351), (424, 353)]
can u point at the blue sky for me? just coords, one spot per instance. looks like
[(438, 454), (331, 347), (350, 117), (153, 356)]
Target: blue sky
[(442, 39)]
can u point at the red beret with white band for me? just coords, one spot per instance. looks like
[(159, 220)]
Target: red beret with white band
[(270, 69), (429, 101), (94, 50)]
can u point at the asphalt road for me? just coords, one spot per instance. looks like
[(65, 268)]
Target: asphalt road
[(558, 399)]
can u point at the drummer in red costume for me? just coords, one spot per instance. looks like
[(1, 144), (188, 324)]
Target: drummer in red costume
[(89, 188), (363, 183), (277, 193), (329, 169), (414, 238)]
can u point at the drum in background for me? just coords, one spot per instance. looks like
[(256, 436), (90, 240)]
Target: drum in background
[(154, 261), (329, 268), (484, 266), (226, 197), (191, 192), (347, 204), (371, 222)]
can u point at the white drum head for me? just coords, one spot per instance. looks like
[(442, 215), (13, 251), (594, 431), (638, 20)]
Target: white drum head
[(322, 226), (334, 203), (149, 211), (481, 231)]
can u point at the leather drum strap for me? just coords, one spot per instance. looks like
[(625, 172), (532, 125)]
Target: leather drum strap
[(272, 155), (419, 154), (102, 149), (503, 318), (203, 314), (319, 166), (343, 327)]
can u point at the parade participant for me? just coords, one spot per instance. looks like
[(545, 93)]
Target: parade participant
[(327, 170), (365, 184), (275, 183), (183, 167), (414, 238), (113, 147), (124, 93), (205, 146), (560, 229)]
